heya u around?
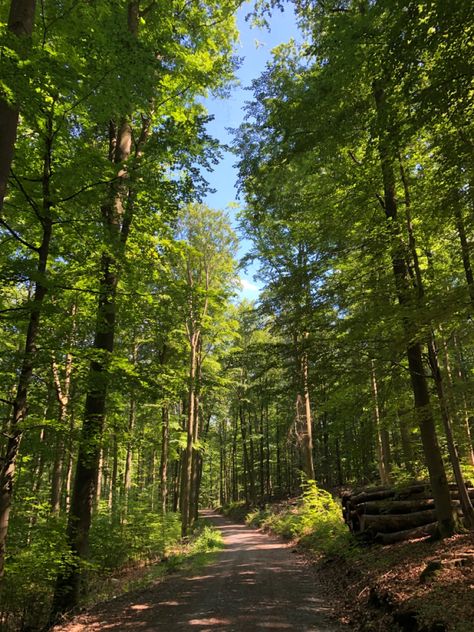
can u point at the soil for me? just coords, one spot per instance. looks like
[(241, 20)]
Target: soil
[(414, 586), (255, 583)]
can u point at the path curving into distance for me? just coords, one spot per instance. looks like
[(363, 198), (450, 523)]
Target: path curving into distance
[(255, 583)]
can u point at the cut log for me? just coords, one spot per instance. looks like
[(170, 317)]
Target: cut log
[(470, 492), (391, 506), (369, 490), (407, 534), (366, 496), (413, 490), (396, 522)]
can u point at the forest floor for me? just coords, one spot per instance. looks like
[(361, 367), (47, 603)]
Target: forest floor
[(414, 586), (255, 583)]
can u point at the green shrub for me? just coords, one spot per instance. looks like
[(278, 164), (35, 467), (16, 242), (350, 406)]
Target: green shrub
[(30, 571), (316, 522), (207, 540), (38, 551), (237, 510), (142, 536), (257, 517)]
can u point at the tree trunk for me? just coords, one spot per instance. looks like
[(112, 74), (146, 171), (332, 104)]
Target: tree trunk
[(467, 508), (424, 413), (113, 490), (251, 462), (465, 251), (117, 219), (246, 473), (20, 404), (384, 467), (406, 443), (62, 395), (380, 523), (127, 477), (187, 459), (165, 439), (21, 20), (467, 443)]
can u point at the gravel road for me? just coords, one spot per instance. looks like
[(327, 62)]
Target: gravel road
[(255, 583)]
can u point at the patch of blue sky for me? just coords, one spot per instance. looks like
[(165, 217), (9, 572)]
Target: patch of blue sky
[(254, 49)]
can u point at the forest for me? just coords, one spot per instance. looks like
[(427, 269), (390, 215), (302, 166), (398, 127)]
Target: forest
[(136, 385)]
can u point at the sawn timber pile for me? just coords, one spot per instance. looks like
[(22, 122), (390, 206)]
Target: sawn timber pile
[(387, 515)]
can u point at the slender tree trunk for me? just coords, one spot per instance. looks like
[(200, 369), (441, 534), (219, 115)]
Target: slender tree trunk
[(62, 395), (465, 250), (127, 478), (453, 403), (176, 484), (70, 462), (279, 477), (113, 490), (234, 483), (100, 481), (165, 439), (340, 476), (21, 20), (308, 430), (251, 461), (197, 461), (384, 467), (463, 378), (407, 449), (261, 464), (20, 404), (424, 413), (466, 505), (117, 214), (268, 480), (246, 472), (187, 459)]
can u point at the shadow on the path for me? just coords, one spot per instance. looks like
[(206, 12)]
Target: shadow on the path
[(255, 583)]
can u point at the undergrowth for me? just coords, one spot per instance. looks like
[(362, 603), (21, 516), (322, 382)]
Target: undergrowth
[(124, 555), (315, 521)]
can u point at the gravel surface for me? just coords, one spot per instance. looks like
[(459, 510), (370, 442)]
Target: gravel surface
[(255, 583)]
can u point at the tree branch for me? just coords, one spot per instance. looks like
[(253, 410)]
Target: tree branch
[(29, 199), (17, 236)]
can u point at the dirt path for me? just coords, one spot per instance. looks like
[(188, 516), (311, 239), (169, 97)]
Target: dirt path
[(256, 583)]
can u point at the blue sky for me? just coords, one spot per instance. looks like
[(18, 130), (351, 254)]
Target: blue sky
[(255, 48)]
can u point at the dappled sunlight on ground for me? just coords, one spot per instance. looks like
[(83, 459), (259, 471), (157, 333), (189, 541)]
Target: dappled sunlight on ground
[(256, 583)]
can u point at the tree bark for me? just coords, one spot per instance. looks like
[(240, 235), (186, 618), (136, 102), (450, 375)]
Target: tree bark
[(465, 251), (20, 402), (187, 459), (467, 508), (424, 413), (307, 443), (21, 20), (165, 439), (62, 395), (117, 215), (384, 467), (127, 477)]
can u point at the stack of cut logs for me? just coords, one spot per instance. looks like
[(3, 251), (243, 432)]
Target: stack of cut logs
[(387, 515)]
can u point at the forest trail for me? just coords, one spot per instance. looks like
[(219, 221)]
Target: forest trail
[(256, 583)]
